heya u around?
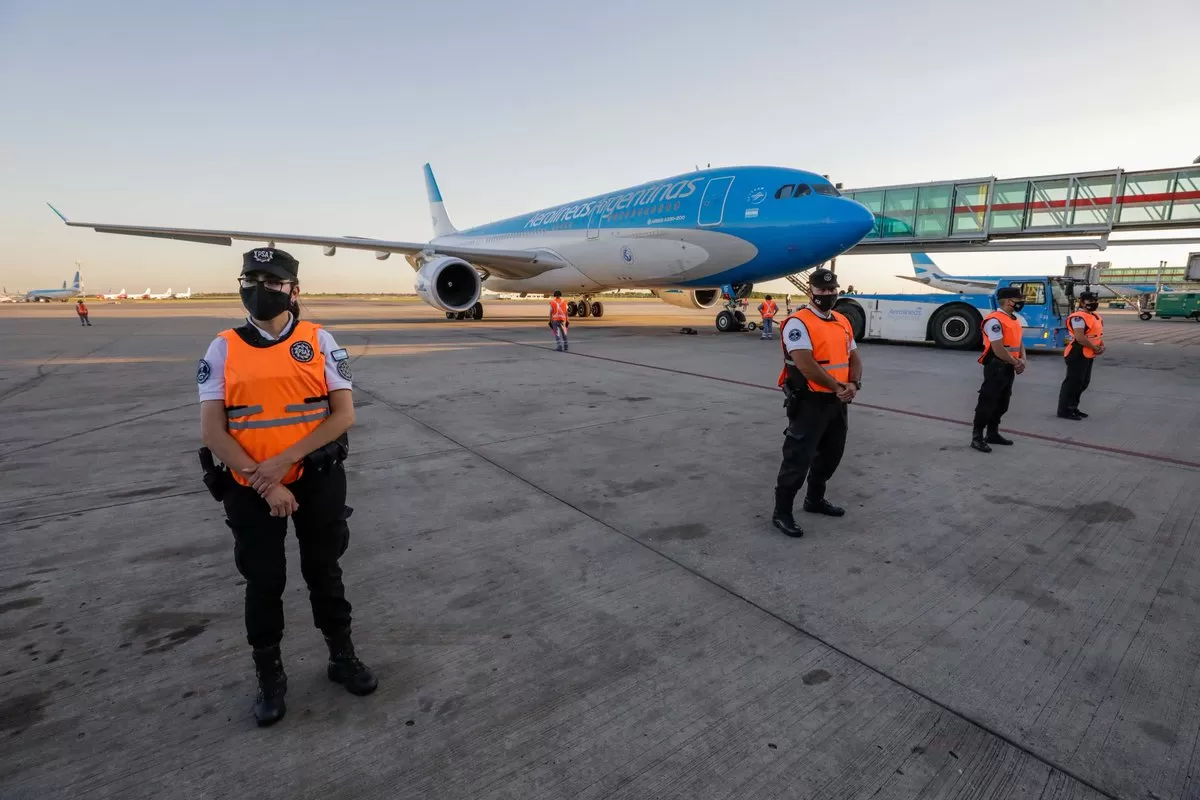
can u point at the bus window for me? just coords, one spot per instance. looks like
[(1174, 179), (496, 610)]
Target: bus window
[(1062, 305), (1032, 292)]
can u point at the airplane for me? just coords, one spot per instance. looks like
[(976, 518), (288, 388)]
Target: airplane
[(143, 296), (167, 295), (64, 294), (926, 272), (182, 295), (695, 240), (121, 295)]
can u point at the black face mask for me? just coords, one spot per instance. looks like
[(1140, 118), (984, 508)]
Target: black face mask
[(1017, 306), (264, 304), (1091, 306), (824, 301)]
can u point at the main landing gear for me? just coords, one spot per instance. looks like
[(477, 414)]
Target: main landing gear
[(732, 319), (586, 307), (475, 312)]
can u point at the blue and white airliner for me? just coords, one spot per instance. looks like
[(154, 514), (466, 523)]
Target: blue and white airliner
[(926, 272), (64, 294), (694, 240)]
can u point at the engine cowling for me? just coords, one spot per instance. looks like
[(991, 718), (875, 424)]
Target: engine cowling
[(689, 298), (449, 284)]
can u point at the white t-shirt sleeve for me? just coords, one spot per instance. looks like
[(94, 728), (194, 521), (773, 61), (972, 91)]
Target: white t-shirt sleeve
[(795, 335), (1078, 324), (337, 362), (210, 372), (994, 330)]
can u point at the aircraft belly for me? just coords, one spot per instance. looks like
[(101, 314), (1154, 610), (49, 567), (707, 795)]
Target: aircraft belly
[(643, 258), (567, 279)]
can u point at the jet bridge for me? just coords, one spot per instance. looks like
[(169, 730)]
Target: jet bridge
[(983, 214)]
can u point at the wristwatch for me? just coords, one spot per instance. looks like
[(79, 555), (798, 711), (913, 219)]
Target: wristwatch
[(858, 385)]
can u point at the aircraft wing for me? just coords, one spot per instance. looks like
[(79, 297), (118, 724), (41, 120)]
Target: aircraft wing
[(512, 264), (962, 283)]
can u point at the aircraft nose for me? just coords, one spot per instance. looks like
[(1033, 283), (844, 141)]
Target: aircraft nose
[(857, 220)]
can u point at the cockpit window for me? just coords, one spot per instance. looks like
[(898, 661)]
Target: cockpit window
[(801, 190), (786, 189), (792, 190), (827, 189)]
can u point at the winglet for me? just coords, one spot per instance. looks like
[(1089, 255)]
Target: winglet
[(442, 225), (431, 187), (61, 215)]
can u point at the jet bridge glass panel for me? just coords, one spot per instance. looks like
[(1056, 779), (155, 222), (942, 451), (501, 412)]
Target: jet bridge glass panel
[(1063, 205)]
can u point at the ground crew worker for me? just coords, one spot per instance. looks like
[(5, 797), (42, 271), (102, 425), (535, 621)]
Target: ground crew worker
[(276, 403), (82, 311), (558, 321), (1003, 358), (767, 308), (1087, 342), (821, 375)]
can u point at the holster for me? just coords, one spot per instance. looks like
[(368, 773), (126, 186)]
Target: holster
[(326, 458), (217, 479)]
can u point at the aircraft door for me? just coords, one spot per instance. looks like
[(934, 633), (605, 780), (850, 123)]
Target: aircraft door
[(594, 220), (712, 203)]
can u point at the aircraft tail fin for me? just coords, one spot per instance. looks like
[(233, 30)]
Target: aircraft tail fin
[(923, 265), (75, 284), (437, 209)]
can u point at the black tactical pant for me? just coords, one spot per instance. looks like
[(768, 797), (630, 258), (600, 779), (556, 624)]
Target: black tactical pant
[(1079, 377), (994, 394), (258, 552), (813, 443)]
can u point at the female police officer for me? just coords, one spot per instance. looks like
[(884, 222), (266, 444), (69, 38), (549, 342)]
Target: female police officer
[(276, 403)]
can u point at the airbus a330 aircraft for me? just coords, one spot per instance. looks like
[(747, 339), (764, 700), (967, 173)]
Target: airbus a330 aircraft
[(690, 239)]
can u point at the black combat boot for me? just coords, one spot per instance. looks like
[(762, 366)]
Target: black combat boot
[(782, 517), (994, 437), (269, 707), (823, 506), (344, 666), (978, 442)]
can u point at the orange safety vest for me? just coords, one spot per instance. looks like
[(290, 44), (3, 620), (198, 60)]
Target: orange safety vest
[(1093, 327), (831, 346), (275, 396), (1012, 335), (768, 309), (558, 308), (81, 308)]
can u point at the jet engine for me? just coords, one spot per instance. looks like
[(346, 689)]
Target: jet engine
[(688, 298), (449, 284)]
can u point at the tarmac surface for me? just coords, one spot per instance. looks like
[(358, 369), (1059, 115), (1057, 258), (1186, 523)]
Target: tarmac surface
[(563, 571)]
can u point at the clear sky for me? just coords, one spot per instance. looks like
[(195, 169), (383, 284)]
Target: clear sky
[(315, 117)]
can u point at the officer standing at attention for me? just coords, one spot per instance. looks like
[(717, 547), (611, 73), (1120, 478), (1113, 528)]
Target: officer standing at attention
[(276, 403), (1087, 342), (1003, 358), (558, 321), (821, 375), (768, 308)]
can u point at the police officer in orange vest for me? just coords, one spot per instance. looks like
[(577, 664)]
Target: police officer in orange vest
[(821, 375), (558, 321), (768, 308), (276, 402), (1003, 358), (1087, 342)]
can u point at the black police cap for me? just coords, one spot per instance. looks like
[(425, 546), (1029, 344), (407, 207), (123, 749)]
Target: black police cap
[(823, 279), (271, 261), (1008, 293), (1089, 296)]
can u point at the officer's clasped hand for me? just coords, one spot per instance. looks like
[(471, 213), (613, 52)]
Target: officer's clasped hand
[(267, 474)]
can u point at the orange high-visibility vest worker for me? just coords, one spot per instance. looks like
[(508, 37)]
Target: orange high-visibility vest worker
[(831, 346), (558, 308), (81, 308), (1012, 335), (1093, 329), (274, 396), (768, 309)]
